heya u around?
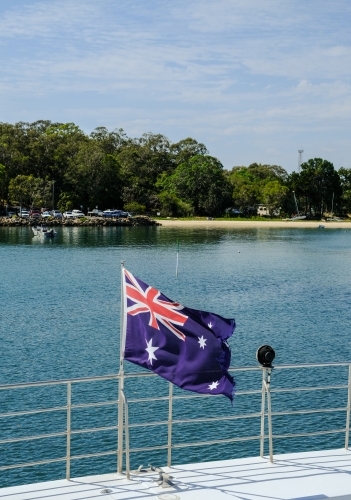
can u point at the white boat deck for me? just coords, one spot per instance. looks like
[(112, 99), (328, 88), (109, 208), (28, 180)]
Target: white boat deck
[(303, 476)]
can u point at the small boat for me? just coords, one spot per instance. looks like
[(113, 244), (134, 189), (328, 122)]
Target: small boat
[(298, 217), (44, 232)]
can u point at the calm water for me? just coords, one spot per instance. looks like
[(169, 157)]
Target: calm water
[(59, 315)]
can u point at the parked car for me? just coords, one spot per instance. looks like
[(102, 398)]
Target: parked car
[(96, 213), (233, 212), (46, 214), (57, 214), (78, 214), (126, 214), (112, 213), (35, 213), (23, 213), (68, 215)]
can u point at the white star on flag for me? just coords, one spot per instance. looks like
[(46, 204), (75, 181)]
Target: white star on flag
[(214, 385), (202, 342), (150, 350), (210, 325)]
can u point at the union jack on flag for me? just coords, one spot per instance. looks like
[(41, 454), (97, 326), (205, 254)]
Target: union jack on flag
[(148, 301), (185, 346)]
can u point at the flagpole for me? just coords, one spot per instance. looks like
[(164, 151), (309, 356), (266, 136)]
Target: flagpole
[(122, 321), (121, 376), (177, 264)]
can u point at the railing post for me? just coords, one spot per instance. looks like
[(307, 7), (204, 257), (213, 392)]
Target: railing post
[(170, 422), (348, 411), (269, 411), (126, 430), (263, 409), (68, 438)]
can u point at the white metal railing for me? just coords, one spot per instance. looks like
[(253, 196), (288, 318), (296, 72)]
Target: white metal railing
[(123, 427)]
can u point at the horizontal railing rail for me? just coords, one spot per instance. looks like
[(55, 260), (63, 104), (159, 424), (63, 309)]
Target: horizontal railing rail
[(122, 426)]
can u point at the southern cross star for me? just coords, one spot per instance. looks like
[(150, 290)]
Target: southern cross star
[(210, 325), (150, 350), (202, 342), (214, 385)]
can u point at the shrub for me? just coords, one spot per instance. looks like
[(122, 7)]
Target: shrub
[(135, 207)]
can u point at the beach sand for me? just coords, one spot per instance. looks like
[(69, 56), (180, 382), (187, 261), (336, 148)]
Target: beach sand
[(210, 224)]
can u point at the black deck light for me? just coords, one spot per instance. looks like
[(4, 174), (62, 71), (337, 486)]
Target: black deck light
[(265, 355)]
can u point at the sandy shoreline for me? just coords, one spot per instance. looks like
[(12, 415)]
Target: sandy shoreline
[(210, 224)]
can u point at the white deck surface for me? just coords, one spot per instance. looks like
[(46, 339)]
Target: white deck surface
[(303, 476)]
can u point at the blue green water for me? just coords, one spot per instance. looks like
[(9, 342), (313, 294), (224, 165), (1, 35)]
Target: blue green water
[(59, 318)]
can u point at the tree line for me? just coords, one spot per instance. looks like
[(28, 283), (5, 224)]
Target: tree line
[(45, 163)]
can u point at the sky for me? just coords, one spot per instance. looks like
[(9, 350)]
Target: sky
[(254, 80)]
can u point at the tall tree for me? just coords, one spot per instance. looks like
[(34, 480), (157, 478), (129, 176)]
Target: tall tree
[(256, 184), (3, 183), (94, 177), (320, 184), (201, 182), (345, 183), (29, 190), (110, 142), (273, 194), (142, 161), (185, 149)]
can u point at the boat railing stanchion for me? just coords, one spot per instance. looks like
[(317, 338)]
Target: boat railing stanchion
[(126, 433), (263, 411), (269, 412), (170, 423), (266, 391), (68, 439), (348, 411), (265, 356)]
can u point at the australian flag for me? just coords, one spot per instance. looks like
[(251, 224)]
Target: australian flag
[(185, 346)]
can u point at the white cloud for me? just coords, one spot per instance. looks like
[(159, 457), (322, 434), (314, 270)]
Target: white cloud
[(47, 19), (210, 68)]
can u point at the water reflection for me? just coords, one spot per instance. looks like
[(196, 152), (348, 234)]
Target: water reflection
[(115, 236)]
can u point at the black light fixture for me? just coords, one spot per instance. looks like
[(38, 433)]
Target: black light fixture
[(265, 355)]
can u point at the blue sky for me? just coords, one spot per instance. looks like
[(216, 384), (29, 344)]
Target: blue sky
[(254, 80)]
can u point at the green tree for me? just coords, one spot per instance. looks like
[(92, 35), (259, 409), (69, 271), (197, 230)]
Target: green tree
[(200, 182), (345, 183), (246, 191), (185, 149), (67, 201), (42, 149), (94, 176), (106, 168), (273, 194), (29, 190), (248, 184), (109, 142), (171, 205), (142, 161), (135, 208), (319, 184), (3, 182)]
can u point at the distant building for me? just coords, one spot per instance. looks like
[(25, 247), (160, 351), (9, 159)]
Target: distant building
[(263, 211)]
